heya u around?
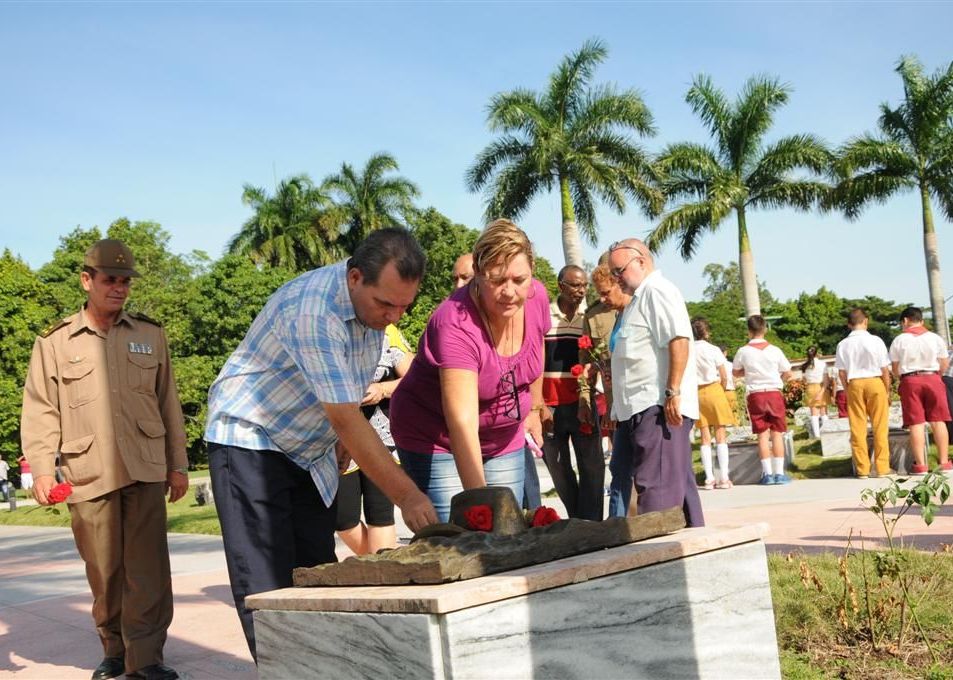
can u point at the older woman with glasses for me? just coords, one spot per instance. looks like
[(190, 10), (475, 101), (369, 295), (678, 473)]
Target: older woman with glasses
[(461, 414)]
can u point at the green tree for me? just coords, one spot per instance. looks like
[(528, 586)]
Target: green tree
[(573, 136), (739, 174), (370, 199), (296, 228), (913, 151), (812, 319), (27, 306)]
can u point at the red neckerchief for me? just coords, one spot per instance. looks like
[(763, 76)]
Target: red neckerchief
[(759, 344), (915, 330)]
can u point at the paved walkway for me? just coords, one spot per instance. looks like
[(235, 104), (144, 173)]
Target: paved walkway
[(46, 631)]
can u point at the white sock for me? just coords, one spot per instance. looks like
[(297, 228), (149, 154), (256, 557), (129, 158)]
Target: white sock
[(778, 465), (722, 451), (766, 466), (706, 461), (815, 426)]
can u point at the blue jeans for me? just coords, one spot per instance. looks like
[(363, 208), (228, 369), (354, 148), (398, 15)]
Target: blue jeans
[(436, 475), (532, 497), (620, 483)]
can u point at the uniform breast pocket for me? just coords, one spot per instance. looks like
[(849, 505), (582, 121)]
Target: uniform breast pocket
[(80, 383), (141, 373)]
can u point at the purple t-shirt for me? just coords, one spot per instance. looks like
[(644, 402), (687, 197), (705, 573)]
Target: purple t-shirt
[(456, 338)]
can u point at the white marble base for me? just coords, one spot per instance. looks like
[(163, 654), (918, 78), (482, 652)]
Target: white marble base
[(707, 615)]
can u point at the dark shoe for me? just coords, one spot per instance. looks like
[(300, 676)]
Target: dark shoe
[(110, 667), (154, 672)]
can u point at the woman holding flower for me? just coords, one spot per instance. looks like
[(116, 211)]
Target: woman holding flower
[(460, 415)]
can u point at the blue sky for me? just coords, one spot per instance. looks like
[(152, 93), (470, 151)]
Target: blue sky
[(162, 111)]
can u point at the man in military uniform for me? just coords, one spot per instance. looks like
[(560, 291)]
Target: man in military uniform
[(100, 394)]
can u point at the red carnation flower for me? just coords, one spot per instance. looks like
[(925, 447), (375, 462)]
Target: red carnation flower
[(585, 428), (60, 492), (585, 342), (479, 517), (544, 516), (576, 370)]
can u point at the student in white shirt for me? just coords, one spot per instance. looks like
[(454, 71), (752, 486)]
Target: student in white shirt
[(918, 357), (815, 396), (863, 366), (714, 410), (765, 370)]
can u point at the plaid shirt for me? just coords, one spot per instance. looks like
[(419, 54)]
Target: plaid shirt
[(306, 347)]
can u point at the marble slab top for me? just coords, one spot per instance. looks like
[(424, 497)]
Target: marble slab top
[(449, 597)]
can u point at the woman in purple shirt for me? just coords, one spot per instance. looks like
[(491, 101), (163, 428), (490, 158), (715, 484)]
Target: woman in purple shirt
[(458, 415)]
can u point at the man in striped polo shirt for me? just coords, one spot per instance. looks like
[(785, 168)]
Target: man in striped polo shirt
[(572, 418), (918, 357)]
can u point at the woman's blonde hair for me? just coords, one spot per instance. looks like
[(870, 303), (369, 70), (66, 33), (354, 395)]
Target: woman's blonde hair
[(602, 274), (499, 243)]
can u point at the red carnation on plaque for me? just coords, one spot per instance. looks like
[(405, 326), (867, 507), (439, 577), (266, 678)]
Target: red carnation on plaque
[(576, 370), (60, 492), (544, 516), (585, 342), (479, 517)]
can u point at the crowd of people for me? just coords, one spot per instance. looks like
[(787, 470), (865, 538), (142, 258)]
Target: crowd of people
[(323, 419)]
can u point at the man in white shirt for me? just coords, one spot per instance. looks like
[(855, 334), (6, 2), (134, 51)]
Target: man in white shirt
[(654, 387), (918, 357), (863, 366), (765, 370)]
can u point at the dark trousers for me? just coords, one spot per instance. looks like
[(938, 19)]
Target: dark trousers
[(273, 520), (121, 537), (532, 497), (582, 496), (661, 456)]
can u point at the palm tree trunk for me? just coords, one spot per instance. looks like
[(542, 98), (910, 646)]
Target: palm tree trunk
[(749, 282), (931, 253), (572, 246)]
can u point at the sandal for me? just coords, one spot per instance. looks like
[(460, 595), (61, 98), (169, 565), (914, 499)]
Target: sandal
[(707, 486), (724, 484)]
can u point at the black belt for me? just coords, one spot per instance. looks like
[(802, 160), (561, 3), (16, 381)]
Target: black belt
[(907, 375)]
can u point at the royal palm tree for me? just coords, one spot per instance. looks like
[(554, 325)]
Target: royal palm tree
[(371, 199), (739, 174), (913, 151), (572, 136), (294, 228)]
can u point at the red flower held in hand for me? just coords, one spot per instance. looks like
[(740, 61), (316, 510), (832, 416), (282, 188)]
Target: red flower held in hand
[(60, 492), (544, 516), (479, 517), (585, 342), (585, 428), (576, 370)]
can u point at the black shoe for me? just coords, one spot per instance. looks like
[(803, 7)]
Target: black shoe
[(154, 672), (110, 667)]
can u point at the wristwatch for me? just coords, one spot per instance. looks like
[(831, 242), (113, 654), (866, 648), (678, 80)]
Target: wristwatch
[(184, 470), (672, 392)]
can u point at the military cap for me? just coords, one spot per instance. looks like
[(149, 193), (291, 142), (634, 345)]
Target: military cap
[(111, 257)]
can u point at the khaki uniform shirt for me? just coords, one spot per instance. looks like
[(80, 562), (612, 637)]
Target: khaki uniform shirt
[(106, 402)]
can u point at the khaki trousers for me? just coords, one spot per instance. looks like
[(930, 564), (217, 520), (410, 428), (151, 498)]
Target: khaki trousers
[(867, 398), (121, 537)]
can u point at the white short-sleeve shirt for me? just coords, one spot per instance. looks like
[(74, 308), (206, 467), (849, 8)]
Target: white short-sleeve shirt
[(815, 374), (708, 359), (763, 364), (917, 352), (861, 355), (655, 316)]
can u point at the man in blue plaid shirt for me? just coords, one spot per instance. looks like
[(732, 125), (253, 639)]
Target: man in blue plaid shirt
[(285, 409)]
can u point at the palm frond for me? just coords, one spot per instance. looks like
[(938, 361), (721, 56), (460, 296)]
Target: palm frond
[(570, 79), (506, 149), (687, 223), (604, 109), (709, 104), (854, 194), (585, 211), (802, 195), (516, 110), (753, 112)]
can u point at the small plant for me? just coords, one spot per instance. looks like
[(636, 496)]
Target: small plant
[(928, 493)]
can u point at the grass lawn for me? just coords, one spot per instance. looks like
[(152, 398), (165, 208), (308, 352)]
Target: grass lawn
[(184, 516)]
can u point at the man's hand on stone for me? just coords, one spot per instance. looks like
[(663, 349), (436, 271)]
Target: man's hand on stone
[(176, 483), (41, 488), (417, 510)]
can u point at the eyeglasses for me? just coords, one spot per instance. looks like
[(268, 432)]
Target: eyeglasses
[(574, 286), (509, 396)]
